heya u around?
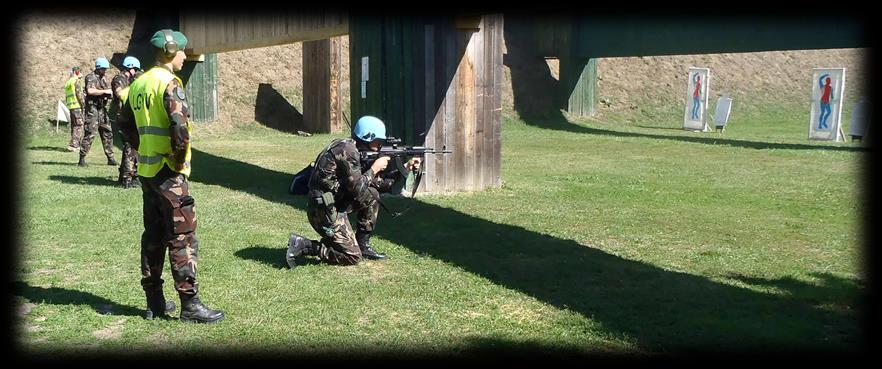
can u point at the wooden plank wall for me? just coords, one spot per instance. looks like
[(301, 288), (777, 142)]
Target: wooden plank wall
[(218, 32), (316, 86), (436, 85), (336, 78), (468, 118)]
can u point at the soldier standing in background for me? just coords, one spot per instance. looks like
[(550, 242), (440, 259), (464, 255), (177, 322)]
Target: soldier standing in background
[(74, 100), (120, 85), (97, 93)]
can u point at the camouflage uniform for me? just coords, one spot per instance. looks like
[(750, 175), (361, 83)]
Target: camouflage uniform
[(77, 119), (96, 117), (338, 172), (128, 166), (169, 223), (169, 210)]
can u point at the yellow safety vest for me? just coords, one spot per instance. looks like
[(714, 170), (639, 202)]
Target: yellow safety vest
[(70, 90), (145, 96)]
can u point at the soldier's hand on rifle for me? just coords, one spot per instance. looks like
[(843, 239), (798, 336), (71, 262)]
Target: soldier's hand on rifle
[(380, 164), (413, 164)]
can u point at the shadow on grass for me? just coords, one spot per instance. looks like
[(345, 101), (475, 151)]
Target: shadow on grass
[(829, 290), (63, 296), (272, 256), (54, 163), (48, 148), (661, 310), (559, 122), (92, 181)]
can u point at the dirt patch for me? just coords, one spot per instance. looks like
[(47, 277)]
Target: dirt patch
[(374, 271), (112, 331), (24, 309), (519, 313), (44, 271)]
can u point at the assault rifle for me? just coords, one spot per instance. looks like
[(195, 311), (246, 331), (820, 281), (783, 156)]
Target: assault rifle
[(400, 155)]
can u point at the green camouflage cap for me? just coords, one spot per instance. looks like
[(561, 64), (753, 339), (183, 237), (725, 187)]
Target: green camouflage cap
[(158, 39)]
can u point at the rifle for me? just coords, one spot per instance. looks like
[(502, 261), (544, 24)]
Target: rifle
[(400, 155)]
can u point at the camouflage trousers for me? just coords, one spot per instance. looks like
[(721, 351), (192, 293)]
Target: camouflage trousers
[(169, 224), (128, 166), (338, 244), (96, 120), (76, 127)]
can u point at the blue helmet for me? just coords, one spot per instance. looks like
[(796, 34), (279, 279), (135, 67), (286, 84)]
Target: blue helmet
[(131, 62), (102, 63), (369, 128)]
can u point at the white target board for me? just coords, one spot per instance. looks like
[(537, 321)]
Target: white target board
[(695, 116), (828, 88)]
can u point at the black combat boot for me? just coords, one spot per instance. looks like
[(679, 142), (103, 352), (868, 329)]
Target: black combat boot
[(82, 162), (364, 243), (135, 182), (157, 306), (193, 311), (111, 161), (297, 246), (127, 183)]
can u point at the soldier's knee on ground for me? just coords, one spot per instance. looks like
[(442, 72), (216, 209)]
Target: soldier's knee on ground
[(350, 260)]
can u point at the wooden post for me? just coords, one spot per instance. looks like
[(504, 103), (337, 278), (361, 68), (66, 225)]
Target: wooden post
[(317, 86), (336, 76)]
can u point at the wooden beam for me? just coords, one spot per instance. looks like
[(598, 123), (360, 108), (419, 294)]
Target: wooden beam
[(222, 33), (194, 57)]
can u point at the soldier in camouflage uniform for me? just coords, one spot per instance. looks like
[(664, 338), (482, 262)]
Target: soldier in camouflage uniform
[(339, 185), (97, 94), (75, 101), (155, 120), (131, 69)]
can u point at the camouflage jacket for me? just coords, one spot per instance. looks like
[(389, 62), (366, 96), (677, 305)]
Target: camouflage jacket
[(118, 82), (338, 170), (95, 81)]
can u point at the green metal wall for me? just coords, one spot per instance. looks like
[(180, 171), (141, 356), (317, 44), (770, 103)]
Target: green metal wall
[(394, 47), (202, 90), (579, 78)]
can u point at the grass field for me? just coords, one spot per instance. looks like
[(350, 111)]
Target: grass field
[(604, 238)]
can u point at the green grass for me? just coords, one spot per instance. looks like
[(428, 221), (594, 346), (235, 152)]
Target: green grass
[(604, 238)]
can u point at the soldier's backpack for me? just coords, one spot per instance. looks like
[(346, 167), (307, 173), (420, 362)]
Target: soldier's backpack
[(300, 184)]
